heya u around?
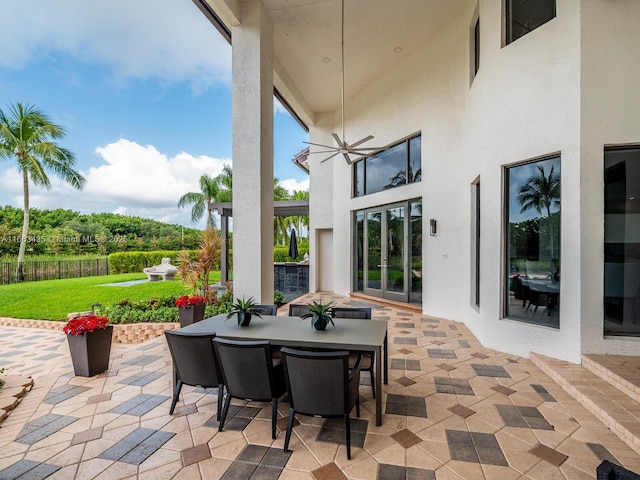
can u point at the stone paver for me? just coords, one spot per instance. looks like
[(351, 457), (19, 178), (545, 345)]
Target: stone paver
[(452, 409)]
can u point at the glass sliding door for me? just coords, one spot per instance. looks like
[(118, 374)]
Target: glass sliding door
[(396, 263), (374, 259), (388, 253), (622, 241)]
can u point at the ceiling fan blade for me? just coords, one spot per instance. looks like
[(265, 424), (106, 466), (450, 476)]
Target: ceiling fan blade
[(362, 140), (333, 150), (319, 144), (329, 157), (347, 158), (337, 138), (364, 149)]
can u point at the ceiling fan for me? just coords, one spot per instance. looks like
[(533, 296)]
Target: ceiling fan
[(344, 148)]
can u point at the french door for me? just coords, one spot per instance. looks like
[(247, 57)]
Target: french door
[(385, 256)]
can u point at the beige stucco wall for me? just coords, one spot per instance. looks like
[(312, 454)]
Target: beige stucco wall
[(530, 98)]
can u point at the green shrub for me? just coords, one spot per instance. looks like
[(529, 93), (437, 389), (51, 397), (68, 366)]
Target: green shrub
[(157, 310), (129, 262), (281, 254), (278, 297)]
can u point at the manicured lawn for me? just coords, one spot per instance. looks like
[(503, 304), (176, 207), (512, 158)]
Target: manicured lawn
[(54, 299)]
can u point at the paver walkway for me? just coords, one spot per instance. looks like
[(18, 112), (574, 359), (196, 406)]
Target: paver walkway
[(452, 409)]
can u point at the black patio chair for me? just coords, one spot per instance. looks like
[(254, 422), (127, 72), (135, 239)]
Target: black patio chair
[(298, 309), (367, 358), (266, 309), (194, 363), (321, 384), (610, 471), (250, 373)]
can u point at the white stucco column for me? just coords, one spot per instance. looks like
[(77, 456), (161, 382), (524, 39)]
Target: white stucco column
[(252, 107)]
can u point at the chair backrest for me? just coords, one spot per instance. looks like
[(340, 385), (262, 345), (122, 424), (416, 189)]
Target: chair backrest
[(194, 358), (317, 382), (246, 368), (266, 309), (298, 309), (343, 312)]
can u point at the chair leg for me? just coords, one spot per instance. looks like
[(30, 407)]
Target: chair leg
[(347, 426), (175, 396), (292, 416), (227, 401), (358, 406), (220, 398), (373, 380), (274, 417)]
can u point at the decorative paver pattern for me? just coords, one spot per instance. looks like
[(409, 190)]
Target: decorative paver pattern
[(466, 412)]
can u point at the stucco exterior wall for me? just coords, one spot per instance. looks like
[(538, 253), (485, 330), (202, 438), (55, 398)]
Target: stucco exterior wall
[(610, 115), (525, 102)]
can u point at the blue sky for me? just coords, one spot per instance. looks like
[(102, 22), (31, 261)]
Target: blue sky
[(144, 94)]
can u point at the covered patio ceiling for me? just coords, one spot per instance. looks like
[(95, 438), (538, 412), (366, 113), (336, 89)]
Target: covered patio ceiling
[(306, 40)]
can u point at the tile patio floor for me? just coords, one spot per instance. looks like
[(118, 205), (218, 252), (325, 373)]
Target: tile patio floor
[(452, 409)]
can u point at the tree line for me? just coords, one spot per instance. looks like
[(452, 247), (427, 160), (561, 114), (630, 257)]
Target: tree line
[(66, 232)]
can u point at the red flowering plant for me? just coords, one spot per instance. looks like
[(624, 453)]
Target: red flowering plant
[(80, 325), (190, 300)]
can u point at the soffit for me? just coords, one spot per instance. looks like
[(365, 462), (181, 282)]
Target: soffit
[(305, 32)]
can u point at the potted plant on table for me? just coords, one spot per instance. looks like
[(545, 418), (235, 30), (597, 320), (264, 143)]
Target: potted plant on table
[(320, 314), (190, 309), (89, 341), (244, 309)]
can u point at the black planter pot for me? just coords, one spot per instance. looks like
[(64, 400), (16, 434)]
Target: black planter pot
[(244, 320), (192, 314), (90, 351), (321, 324)]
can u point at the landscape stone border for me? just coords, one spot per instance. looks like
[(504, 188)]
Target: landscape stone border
[(122, 333)]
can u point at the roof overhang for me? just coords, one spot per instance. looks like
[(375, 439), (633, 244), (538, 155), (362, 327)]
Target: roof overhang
[(281, 208), (306, 42)]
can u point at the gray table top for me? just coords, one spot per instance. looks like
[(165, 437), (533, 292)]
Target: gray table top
[(351, 334)]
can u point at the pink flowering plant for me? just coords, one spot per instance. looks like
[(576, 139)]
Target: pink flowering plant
[(190, 300), (90, 323)]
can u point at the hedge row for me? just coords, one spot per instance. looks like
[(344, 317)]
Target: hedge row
[(129, 262)]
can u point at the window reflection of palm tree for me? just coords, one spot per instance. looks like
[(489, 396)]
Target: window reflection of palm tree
[(541, 193), (400, 178)]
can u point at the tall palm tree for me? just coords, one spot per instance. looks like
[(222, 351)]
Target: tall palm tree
[(225, 183), (201, 201), (540, 193), (300, 220), (29, 136), (280, 224)]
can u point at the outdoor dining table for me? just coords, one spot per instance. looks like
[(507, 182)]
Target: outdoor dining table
[(348, 334)]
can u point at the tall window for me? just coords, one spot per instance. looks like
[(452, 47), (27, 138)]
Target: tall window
[(475, 241), (532, 283), (622, 241), (523, 16), (398, 165), (476, 47)]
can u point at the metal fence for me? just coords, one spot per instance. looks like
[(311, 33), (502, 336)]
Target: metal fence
[(53, 269)]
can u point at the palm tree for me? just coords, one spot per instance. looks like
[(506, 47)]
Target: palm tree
[(201, 201), (28, 135), (280, 224), (541, 192), (225, 183)]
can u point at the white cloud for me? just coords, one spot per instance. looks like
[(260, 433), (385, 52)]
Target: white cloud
[(292, 184), (170, 39), (131, 180)]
